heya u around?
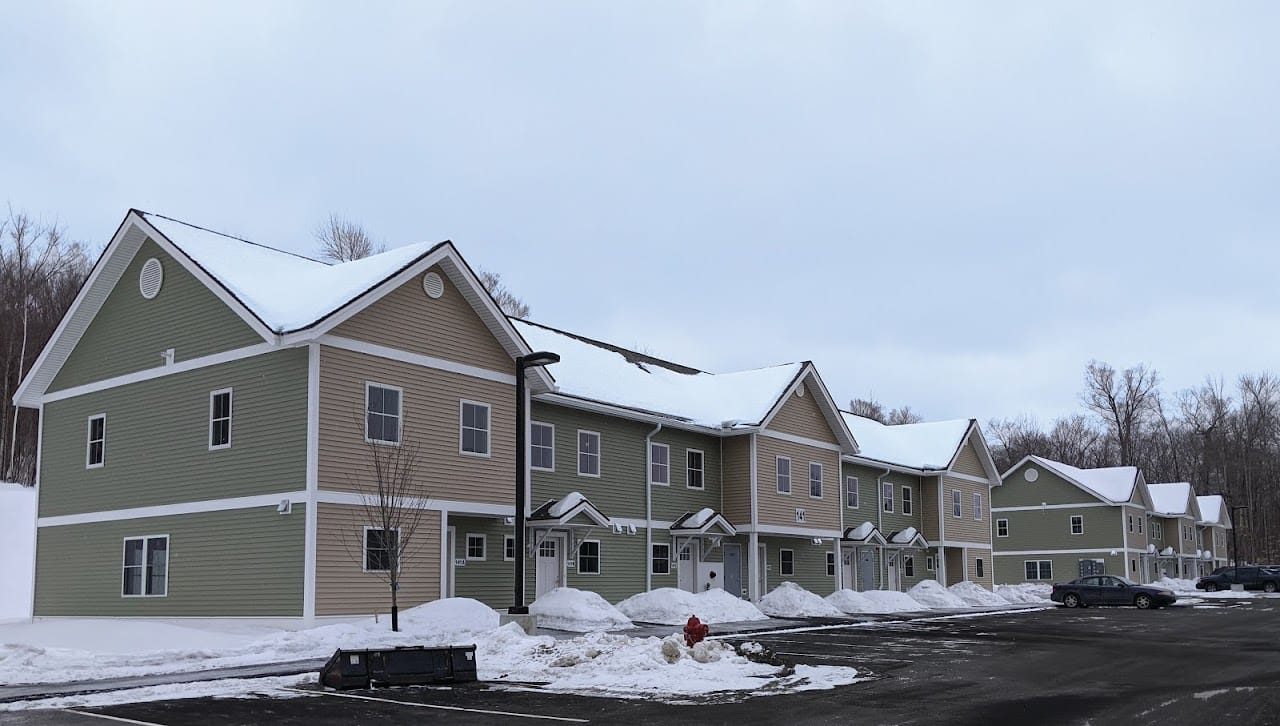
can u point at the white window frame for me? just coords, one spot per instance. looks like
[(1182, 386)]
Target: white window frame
[(908, 566), (930, 564), (399, 416), (653, 463), (599, 453), (577, 558), (782, 569), (831, 564), (484, 546), (1130, 522), (812, 482), (1005, 523), (1039, 570), (851, 487), (146, 559), (908, 500), (777, 471), (886, 497), (977, 506), (508, 542), (488, 430), (957, 506), (981, 566), (1140, 518), (533, 424), (654, 558), (689, 469), (364, 547), (231, 403), (88, 442), (1071, 525)]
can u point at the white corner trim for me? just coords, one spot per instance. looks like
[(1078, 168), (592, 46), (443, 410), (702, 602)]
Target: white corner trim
[(426, 361), (35, 513), (1036, 508), (313, 483), (161, 371), (781, 436), (168, 510), (445, 563)]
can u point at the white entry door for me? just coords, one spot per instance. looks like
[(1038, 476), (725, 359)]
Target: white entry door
[(549, 570), (891, 567), (687, 567)]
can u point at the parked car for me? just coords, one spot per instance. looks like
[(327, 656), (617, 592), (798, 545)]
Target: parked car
[(1252, 577), (1110, 590)]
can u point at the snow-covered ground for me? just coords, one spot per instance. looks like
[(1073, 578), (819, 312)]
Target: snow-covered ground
[(577, 611), (789, 600), (17, 549), (874, 602), (1026, 592), (976, 595), (931, 593), (669, 606), (592, 664)]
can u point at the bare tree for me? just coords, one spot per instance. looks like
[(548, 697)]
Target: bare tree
[(507, 300), (902, 415), (867, 408), (1124, 403), (342, 240)]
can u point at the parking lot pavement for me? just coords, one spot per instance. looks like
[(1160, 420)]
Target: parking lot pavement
[(1196, 664)]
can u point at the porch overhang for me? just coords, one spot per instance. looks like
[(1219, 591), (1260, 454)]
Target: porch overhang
[(705, 522), (909, 538), (574, 511), (864, 535)]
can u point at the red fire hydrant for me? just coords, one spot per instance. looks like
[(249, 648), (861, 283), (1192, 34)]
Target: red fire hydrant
[(694, 631)]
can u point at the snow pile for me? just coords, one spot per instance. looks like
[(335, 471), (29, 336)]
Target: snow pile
[(932, 594), (848, 601), (976, 595), (1027, 592), (789, 600), (1176, 584), (669, 606), (892, 601), (578, 611), (17, 549)]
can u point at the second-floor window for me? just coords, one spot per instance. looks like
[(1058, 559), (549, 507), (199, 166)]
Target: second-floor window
[(815, 480), (851, 492), (783, 467), (1130, 522), (693, 469), (659, 464), (474, 425), (955, 503), (1002, 528), (542, 446), (977, 506), (382, 413), (1077, 524), (1140, 518), (588, 453), (220, 419), (95, 454), (886, 497), (906, 500)]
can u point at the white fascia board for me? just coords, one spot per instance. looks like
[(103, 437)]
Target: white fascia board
[(1038, 507), (1100, 551), (830, 411), (785, 531), (168, 510), (899, 468)]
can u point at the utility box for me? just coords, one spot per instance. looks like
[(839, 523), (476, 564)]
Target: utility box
[(407, 666), (710, 576)]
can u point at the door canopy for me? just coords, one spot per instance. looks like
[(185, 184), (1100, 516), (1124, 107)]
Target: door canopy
[(573, 511)]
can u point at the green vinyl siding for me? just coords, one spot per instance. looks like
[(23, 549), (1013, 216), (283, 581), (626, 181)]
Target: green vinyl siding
[(810, 564), (239, 563), (619, 491), (129, 332), (1011, 569), (1050, 529), (869, 504), (623, 559), (488, 580), (157, 438), (1048, 488)]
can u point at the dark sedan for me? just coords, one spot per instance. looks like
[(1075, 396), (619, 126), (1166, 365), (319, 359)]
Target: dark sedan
[(1110, 590)]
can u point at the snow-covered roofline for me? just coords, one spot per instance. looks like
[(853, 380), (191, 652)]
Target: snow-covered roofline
[(1113, 485)]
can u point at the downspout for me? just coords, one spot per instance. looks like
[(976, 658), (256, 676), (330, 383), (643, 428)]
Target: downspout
[(648, 507), (884, 560)]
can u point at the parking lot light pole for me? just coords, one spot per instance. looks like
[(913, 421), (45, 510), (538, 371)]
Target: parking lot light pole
[(532, 360)]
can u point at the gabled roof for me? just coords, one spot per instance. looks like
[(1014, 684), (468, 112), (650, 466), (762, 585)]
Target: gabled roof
[(928, 447), (703, 521), (1173, 499), (865, 533), (282, 296), (595, 371), (1112, 484), (1213, 511), (909, 537), (564, 512)]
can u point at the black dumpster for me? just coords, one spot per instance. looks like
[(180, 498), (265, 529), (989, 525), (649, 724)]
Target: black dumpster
[(406, 666)]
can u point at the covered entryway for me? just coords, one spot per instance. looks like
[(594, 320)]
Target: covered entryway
[(550, 567), (862, 546), (899, 545), (556, 530), (697, 536)]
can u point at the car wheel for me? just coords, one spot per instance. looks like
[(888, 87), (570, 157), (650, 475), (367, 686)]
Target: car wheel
[(1071, 600), (1143, 602), (1268, 587), (1211, 587)]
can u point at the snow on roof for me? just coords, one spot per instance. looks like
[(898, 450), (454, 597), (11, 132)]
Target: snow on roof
[(1171, 498), (1211, 507), (600, 372), (862, 531), (700, 517), (929, 445), (571, 500), (904, 536), (286, 291), (1113, 483)]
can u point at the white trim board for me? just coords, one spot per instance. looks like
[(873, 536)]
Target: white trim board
[(326, 496), (1038, 507), (769, 529), (1102, 551), (425, 361), (968, 477), (805, 441), (313, 483), (148, 374), (954, 543), (169, 510)]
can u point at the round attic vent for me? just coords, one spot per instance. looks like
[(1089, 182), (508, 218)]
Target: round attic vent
[(150, 278), (800, 391), (433, 285), (1030, 475)]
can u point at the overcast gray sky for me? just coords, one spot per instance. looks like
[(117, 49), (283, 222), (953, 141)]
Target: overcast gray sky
[(951, 205)]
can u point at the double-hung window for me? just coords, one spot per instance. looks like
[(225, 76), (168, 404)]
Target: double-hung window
[(508, 547), (851, 492), (588, 453), (1140, 518), (831, 564), (977, 506), (659, 464), (1077, 524), (589, 557), (786, 563), (146, 566), (693, 469), (95, 454), (542, 446), (660, 559), (1002, 528), (981, 566), (906, 500), (1130, 522), (220, 419), (379, 547), (783, 467), (886, 497), (909, 566), (815, 480), (382, 405), (1039, 569), (474, 428), (476, 546), (955, 503)]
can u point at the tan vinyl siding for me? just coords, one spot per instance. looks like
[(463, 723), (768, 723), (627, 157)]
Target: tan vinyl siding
[(447, 327), (129, 332), (968, 461), (1048, 488), (239, 563), (965, 528), (343, 588), (929, 509), (800, 416), (988, 573), (955, 565), (780, 509), (157, 438), (1137, 541), (430, 420), (737, 478)]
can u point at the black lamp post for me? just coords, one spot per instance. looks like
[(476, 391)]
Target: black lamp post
[(533, 360)]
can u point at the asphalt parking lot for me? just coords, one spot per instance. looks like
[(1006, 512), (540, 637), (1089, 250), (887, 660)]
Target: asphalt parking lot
[(1185, 665)]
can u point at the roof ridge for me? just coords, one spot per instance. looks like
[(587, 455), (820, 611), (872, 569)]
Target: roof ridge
[(232, 236), (632, 356)]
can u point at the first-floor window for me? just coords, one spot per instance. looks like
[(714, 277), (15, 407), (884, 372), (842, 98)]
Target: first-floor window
[(851, 492), (909, 566), (786, 562), (1077, 524), (589, 557), (508, 547), (146, 566), (929, 563), (955, 503), (379, 546), (1039, 569), (475, 546), (831, 564), (660, 559), (1133, 565), (693, 469), (1002, 528), (980, 565)]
